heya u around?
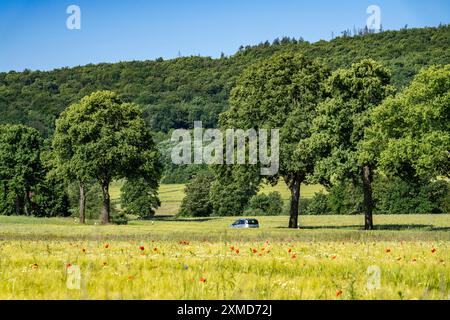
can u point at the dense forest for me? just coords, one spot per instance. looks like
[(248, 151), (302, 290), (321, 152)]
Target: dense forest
[(176, 92)]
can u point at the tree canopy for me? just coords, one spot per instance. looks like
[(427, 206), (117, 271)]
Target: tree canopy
[(104, 138), (281, 92)]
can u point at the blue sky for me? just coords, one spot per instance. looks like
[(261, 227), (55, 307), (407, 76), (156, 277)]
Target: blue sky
[(33, 34)]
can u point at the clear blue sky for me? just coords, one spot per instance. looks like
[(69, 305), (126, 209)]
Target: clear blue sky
[(33, 34)]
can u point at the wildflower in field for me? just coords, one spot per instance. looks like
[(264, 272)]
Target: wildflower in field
[(237, 251), (84, 250), (414, 260), (254, 250), (338, 292), (34, 266), (69, 265), (289, 250), (433, 250), (232, 248), (155, 249), (399, 258), (107, 246), (294, 256), (388, 250), (184, 242), (262, 249), (130, 277), (142, 248), (333, 257), (202, 279), (105, 264)]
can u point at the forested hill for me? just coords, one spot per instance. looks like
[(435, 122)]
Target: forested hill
[(176, 92)]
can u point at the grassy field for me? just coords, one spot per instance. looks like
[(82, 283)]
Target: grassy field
[(171, 195), (165, 258)]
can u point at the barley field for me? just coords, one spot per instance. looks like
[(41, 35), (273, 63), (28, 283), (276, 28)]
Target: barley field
[(330, 257)]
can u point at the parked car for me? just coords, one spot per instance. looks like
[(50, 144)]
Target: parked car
[(245, 223)]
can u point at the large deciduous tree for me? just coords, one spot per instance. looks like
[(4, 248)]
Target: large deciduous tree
[(340, 125), (281, 92), (103, 138), (20, 167), (411, 131)]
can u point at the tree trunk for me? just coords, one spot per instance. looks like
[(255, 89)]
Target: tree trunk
[(82, 203), (295, 199), (19, 206), (368, 201), (106, 202)]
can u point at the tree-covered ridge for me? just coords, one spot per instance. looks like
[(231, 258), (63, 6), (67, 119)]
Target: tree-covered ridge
[(175, 92)]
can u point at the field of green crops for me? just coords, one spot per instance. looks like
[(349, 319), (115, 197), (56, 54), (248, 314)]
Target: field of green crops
[(330, 257), (171, 195)]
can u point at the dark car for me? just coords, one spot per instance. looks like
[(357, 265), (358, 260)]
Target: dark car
[(245, 223)]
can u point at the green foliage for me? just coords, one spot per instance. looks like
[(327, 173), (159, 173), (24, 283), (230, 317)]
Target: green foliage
[(396, 196), (119, 218), (21, 168), (93, 199), (317, 205), (265, 204), (196, 203), (343, 118), (174, 173), (345, 197), (139, 197), (232, 189), (392, 195), (281, 92), (103, 138), (411, 131)]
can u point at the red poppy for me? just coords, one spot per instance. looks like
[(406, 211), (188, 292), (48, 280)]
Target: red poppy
[(338, 292), (414, 260), (155, 249), (237, 251), (294, 256), (105, 264), (130, 277), (232, 248), (142, 248), (68, 265), (289, 250), (388, 250), (333, 257), (262, 249), (202, 279), (254, 250), (107, 246), (433, 250), (34, 266)]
